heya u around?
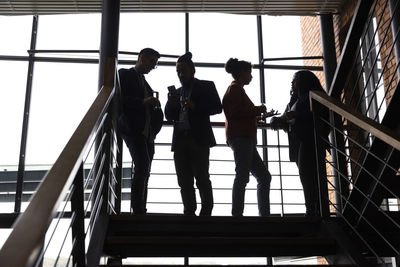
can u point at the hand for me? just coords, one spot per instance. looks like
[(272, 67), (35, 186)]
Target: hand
[(151, 101), (275, 123), (262, 108), (174, 98), (290, 115), (187, 103)]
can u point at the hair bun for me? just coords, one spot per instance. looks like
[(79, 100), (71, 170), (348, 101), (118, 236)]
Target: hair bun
[(188, 55), (231, 65), (185, 57)]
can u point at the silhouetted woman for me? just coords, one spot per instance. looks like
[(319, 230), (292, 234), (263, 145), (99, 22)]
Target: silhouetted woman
[(298, 122), (241, 134)]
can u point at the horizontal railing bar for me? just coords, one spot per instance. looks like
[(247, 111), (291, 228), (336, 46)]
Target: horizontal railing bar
[(97, 178), (60, 215), (98, 131), (96, 157), (43, 205), (385, 134), (365, 196), (368, 152), (95, 216), (369, 223), (357, 232)]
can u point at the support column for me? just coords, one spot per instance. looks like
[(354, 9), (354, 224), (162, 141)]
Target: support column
[(109, 41), (107, 75), (25, 122), (338, 160)]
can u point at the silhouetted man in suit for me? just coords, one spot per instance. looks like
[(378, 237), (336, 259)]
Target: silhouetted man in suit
[(190, 108), (140, 121)]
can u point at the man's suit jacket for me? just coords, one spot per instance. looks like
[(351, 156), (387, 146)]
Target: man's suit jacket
[(207, 102), (133, 115)]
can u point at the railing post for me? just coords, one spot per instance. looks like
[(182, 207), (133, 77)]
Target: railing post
[(106, 172), (338, 160), (78, 225), (116, 109), (320, 158)]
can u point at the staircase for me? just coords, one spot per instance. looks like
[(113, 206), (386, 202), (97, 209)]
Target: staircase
[(378, 181), (183, 236)]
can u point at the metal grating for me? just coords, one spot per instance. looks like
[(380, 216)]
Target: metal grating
[(254, 7)]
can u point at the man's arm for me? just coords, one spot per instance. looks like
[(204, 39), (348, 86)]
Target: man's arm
[(208, 101), (172, 107), (131, 93)]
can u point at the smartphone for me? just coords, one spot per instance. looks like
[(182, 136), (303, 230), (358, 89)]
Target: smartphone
[(155, 94), (171, 89)]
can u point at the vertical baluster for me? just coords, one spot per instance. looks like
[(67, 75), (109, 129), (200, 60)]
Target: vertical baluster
[(78, 225)]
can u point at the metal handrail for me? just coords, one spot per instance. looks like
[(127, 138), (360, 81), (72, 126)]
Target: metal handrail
[(385, 134), (31, 226), (359, 215)]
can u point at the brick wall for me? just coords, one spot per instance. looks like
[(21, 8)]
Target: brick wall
[(311, 40), (387, 54), (311, 43)]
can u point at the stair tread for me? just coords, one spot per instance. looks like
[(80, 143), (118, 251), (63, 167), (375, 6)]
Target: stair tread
[(215, 240), (156, 218), (233, 265), (125, 225), (165, 235)]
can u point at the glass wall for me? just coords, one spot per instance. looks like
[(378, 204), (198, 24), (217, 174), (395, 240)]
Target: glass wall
[(218, 37), (62, 92), (15, 40), (61, 95), (164, 32)]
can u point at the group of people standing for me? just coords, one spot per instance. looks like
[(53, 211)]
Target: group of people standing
[(189, 108)]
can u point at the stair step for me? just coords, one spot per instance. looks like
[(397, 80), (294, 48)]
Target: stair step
[(232, 265), (173, 246), (216, 236), (219, 225)]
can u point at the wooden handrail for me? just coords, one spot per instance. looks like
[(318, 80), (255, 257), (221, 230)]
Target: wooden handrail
[(387, 135), (24, 243)]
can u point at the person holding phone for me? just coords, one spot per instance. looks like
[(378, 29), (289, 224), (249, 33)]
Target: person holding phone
[(190, 108), (140, 120)]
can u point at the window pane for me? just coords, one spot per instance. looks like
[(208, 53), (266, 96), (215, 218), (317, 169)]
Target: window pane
[(277, 88), (61, 95), (218, 37), (222, 80), (12, 98), (75, 31), (278, 42), (15, 35), (163, 32)]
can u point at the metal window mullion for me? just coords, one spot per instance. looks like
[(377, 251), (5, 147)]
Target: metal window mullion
[(187, 32), (262, 83), (25, 122)]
